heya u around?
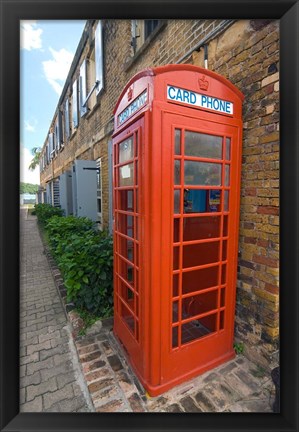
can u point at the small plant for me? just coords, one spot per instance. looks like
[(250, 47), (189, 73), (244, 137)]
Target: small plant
[(45, 211), (88, 320), (239, 347)]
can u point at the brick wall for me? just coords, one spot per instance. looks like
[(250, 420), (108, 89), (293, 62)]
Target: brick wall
[(247, 53)]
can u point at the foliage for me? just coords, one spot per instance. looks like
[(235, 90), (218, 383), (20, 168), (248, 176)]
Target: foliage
[(85, 259), (45, 211), (28, 188), (88, 319), (36, 152), (239, 347)]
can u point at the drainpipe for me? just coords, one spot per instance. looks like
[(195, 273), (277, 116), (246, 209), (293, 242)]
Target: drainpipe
[(216, 32), (206, 55)]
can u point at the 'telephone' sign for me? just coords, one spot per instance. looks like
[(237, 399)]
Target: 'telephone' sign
[(199, 100), (133, 107)]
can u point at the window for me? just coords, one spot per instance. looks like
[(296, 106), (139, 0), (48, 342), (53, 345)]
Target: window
[(99, 191), (75, 105), (66, 120), (99, 57), (56, 135), (83, 88), (91, 80), (47, 154), (141, 30), (51, 145)]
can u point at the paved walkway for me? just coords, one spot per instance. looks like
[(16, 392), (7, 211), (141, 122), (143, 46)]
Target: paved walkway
[(237, 386), (93, 374), (50, 376)]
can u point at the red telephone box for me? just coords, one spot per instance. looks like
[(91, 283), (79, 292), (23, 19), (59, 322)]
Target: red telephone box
[(177, 162)]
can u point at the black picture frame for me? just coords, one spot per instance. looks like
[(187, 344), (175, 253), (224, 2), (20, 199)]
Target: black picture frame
[(12, 11)]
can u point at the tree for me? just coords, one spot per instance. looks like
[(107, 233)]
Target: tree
[(28, 188), (36, 152)]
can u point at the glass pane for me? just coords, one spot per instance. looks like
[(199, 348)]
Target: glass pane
[(214, 200), (226, 180), (197, 228), (127, 294), (177, 141), (126, 248), (226, 200), (176, 230), (177, 194), (175, 287), (197, 280), (224, 250), (225, 227), (202, 173), (223, 274), (175, 311), (221, 323), (125, 224), (127, 317), (176, 257), (199, 304), (126, 150), (200, 254), (174, 337), (227, 152), (199, 328), (177, 172), (195, 201), (126, 174), (222, 297), (203, 145), (136, 173), (126, 202)]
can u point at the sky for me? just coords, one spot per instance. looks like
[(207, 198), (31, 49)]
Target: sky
[(47, 49)]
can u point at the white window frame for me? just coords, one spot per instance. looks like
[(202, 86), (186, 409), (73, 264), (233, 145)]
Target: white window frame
[(99, 57), (75, 113), (83, 88), (66, 120), (99, 192)]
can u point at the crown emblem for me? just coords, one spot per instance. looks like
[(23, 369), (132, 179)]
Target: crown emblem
[(130, 93), (203, 83)]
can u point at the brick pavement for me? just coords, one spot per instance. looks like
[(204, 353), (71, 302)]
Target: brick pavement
[(51, 383), (237, 386), (51, 379)]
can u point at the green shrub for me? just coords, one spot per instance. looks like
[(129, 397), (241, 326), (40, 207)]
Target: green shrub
[(85, 259), (60, 228), (45, 211)]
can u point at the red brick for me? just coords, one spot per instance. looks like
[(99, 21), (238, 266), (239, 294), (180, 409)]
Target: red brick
[(272, 288), (268, 210), (270, 262)]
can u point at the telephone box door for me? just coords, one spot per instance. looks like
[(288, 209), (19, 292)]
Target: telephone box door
[(201, 199), (127, 150)]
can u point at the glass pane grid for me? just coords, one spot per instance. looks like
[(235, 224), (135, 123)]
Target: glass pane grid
[(216, 164), (126, 197)]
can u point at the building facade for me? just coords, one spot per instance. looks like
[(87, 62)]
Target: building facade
[(76, 156)]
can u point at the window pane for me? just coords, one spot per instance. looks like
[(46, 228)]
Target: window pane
[(126, 174), (177, 195), (202, 173), (203, 145), (126, 200), (227, 171), (199, 328), (227, 152), (126, 150), (198, 280), (201, 228), (177, 141), (226, 200), (195, 201), (199, 304), (200, 254), (177, 172)]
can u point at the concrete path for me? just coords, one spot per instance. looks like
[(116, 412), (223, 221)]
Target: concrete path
[(50, 376)]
